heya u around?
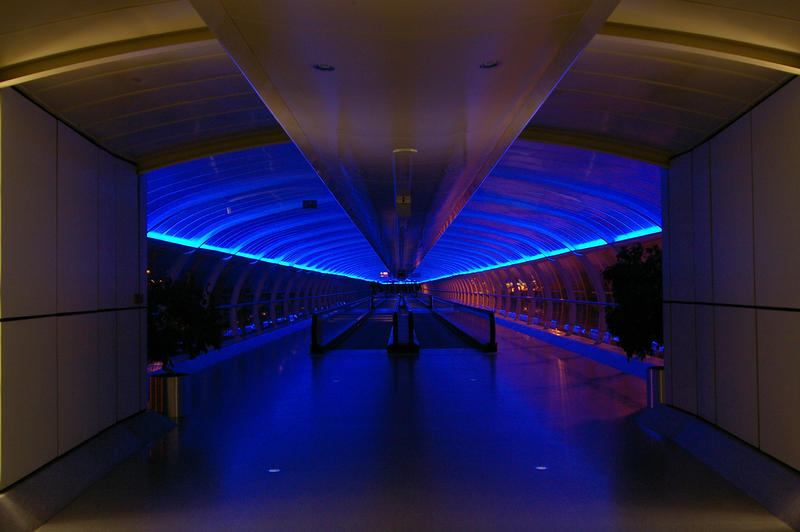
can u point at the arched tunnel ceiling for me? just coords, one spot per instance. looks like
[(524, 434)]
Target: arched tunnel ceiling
[(250, 204), (453, 83), (543, 200), (169, 105), (150, 82)]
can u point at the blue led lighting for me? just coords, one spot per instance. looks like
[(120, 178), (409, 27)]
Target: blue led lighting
[(592, 244), (544, 200), (250, 204), (540, 201), (230, 254), (636, 234)]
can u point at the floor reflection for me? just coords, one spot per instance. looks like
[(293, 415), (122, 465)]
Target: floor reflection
[(535, 438)]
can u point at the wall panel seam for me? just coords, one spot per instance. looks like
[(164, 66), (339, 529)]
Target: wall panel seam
[(58, 342), (69, 313), (755, 276), (713, 292), (694, 284), (732, 305)]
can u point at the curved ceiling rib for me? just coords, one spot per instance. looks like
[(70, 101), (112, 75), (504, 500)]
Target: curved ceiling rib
[(452, 83), (560, 200), (250, 203), (148, 82)]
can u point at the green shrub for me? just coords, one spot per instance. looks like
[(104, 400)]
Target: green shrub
[(180, 319), (637, 287)]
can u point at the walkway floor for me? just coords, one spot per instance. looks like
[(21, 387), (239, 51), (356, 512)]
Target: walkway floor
[(534, 439)]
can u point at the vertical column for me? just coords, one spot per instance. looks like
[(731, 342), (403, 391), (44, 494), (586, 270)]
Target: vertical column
[(776, 210), (130, 372), (683, 357), (77, 233), (703, 275), (733, 283), (28, 273)]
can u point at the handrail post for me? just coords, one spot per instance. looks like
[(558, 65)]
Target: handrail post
[(492, 345), (395, 332), (410, 328), (316, 335), (531, 309)]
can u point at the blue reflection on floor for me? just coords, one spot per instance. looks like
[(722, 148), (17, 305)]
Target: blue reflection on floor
[(535, 439)]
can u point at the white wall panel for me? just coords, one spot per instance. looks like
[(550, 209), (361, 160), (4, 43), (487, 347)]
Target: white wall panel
[(776, 195), (681, 246), (668, 353), (128, 363), (77, 222), (142, 276), (29, 397), (28, 209), (127, 233), (106, 369), (706, 367), (779, 384), (106, 226), (746, 210), (142, 233), (70, 235), (666, 236), (736, 372), (684, 358), (142, 374), (667, 285), (701, 223), (78, 392), (732, 214)]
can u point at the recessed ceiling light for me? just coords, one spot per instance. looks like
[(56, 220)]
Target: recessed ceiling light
[(325, 67), (273, 470), (541, 468), (490, 64)]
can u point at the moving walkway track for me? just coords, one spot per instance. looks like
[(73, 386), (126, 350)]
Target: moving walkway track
[(375, 330)]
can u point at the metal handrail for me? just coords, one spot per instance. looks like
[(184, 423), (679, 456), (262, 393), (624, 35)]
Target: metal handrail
[(342, 307), (509, 305), (491, 345), (286, 300), (317, 346), (533, 298)]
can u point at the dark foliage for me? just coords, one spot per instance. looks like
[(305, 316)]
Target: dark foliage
[(180, 319), (637, 287)]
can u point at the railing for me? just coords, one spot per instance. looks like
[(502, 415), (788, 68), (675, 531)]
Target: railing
[(329, 327), (424, 298), (403, 339), (474, 324), (563, 316), (282, 311)]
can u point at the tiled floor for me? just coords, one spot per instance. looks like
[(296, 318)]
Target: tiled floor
[(534, 439)]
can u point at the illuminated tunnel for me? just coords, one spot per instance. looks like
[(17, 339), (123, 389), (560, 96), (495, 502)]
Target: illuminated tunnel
[(545, 222), (398, 216)]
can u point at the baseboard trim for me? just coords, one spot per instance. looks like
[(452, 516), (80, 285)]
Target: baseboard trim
[(633, 366), (30, 502), (772, 484)]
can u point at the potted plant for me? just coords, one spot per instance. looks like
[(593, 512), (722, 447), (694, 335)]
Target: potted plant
[(180, 320), (636, 284)]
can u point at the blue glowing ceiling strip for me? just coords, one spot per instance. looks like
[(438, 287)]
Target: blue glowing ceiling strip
[(584, 246), (250, 204), (225, 251), (554, 199), (637, 234)]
